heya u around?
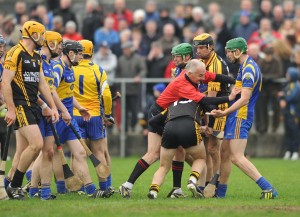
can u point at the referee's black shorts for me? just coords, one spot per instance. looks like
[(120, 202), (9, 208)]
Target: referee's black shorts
[(26, 115), (155, 110), (182, 131)]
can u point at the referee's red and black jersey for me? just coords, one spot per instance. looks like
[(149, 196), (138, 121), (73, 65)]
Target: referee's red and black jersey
[(27, 68), (184, 108), (182, 88)]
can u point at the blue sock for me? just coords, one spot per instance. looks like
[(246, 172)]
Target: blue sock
[(6, 182), (201, 188), (45, 191), (28, 175), (33, 191), (103, 185), (82, 189), (264, 184), (90, 188), (221, 190), (61, 187), (108, 183)]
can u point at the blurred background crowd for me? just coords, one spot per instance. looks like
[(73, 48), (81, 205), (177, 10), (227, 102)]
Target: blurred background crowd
[(136, 42)]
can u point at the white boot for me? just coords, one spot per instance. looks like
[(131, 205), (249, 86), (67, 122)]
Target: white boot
[(295, 156), (287, 155)]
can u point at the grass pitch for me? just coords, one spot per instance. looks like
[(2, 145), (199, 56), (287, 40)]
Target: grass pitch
[(242, 197)]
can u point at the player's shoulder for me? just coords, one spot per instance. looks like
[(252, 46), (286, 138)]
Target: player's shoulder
[(14, 52)]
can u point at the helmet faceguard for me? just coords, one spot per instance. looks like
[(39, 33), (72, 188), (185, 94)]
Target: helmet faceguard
[(236, 44)]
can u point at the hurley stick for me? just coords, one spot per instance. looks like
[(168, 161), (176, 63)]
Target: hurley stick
[(3, 194), (102, 171), (73, 183)]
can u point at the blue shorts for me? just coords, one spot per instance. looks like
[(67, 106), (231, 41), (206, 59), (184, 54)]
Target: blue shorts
[(64, 132), (237, 128), (93, 129), (44, 126)]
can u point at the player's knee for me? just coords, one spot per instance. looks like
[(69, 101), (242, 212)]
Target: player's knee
[(80, 154), (48, 154), (213, 150), (36, 147), (235, 160)]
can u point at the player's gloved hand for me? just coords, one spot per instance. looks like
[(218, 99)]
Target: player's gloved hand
[(110, 119)]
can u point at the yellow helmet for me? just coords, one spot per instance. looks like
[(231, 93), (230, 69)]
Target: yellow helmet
[(204, 39), (52, 36), (31, 27), (88, 47)]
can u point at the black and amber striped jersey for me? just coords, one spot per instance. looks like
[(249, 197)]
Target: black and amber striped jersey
[(27, 68), (217, 65), (185, 108)]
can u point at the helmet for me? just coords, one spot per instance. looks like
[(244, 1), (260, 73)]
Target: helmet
[(52, 36), (31, 27), (88, 47), (2, 41), (204, 39), (182, 49), (237, 43), (71, 46)]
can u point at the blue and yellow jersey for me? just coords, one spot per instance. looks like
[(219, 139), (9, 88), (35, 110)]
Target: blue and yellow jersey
[(176, 72), (91, 84), (48, 73), (217, 65), (1, 70), (64, 83), (249, 76)]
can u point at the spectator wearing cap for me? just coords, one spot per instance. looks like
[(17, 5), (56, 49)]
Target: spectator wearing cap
[(131, 65), (106, 33), (246, 26), (138, 23), (121, 12), (290, 104), (107, 60), (70, 32)]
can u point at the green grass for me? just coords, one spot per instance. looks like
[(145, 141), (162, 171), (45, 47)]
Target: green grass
[(242, 197)]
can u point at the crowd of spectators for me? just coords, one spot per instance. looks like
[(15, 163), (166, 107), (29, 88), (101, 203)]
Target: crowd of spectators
[(136, 43)]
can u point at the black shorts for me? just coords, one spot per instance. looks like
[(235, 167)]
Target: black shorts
[(26, 116), (183, 132), (154, 110)]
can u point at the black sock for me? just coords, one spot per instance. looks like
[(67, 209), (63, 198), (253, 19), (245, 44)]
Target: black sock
[(177, 168), (17, 179), (140, 167), (206, 183)]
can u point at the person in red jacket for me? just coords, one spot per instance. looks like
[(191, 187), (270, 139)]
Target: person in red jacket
[(185, 86), (121, 13)]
